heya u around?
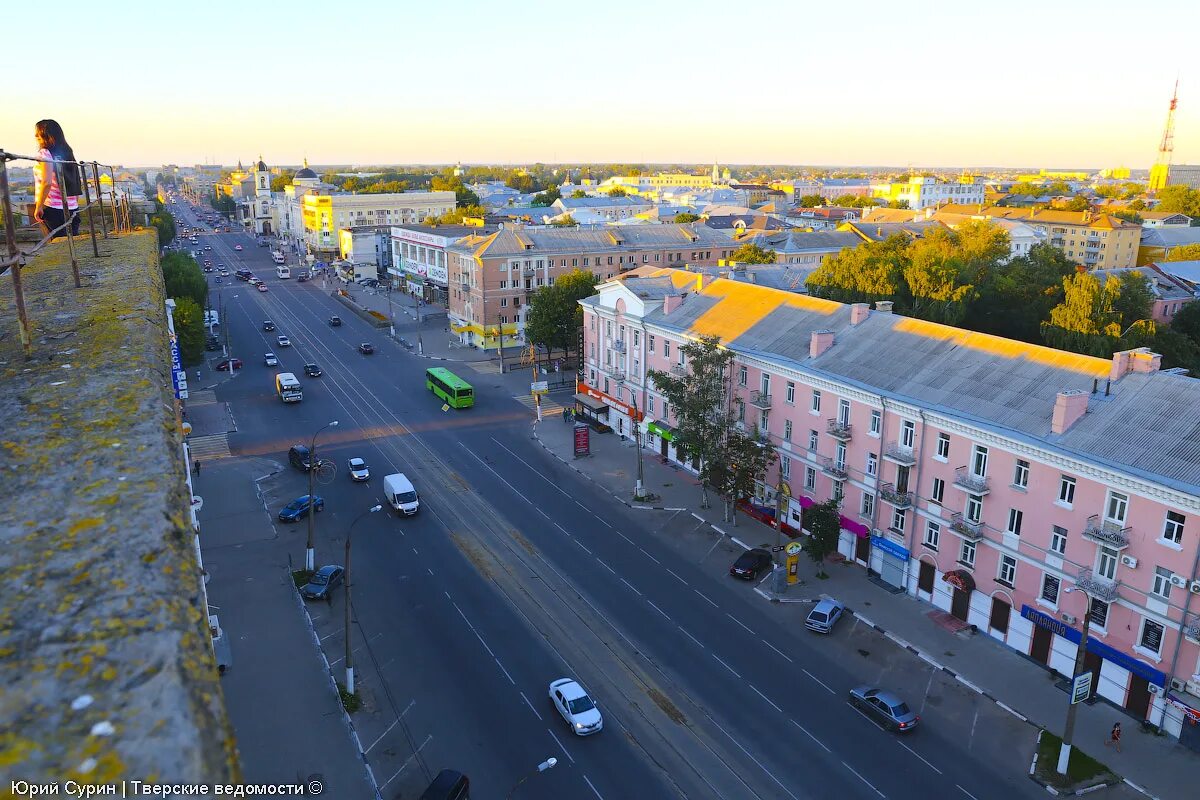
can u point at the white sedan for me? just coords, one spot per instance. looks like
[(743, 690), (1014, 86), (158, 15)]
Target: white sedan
[(576, 707), (283, 341), (358, 469), (237, 247), (270, 360)]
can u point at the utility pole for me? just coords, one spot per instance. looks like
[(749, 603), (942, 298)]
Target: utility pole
[(1064, 754), (313, 464), (349, 663), (639, 488), (537, 397)]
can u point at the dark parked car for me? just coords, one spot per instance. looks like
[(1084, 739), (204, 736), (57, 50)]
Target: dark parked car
[(750, 563), (300, 507), (366, 348), (312, 370), (335, 321), (268, 325), (229, 363), (212, 343), (448, 785), (884, 707), (302, 277), (322, 583), (300, 458)]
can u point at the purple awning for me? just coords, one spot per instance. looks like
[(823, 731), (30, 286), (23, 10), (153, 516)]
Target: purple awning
[(857, 528)]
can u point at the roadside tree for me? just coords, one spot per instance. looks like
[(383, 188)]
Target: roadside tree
[(189, 328), (824, 524), (555, 318), (753, 254)]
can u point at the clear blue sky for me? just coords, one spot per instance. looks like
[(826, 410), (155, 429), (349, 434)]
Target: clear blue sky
[(1062, 83)]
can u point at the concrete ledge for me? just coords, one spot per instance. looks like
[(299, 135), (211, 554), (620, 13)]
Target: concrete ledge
[(364, 313), (106, 664)]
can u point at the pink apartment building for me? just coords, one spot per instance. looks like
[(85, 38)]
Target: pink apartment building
[(986, 476)]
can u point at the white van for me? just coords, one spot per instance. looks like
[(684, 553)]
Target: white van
[(283, 272), (400, 494)]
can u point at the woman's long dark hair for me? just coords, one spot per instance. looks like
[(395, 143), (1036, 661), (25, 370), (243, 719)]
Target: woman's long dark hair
[(56, 141)]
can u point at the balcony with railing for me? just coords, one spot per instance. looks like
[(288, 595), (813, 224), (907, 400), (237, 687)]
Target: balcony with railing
[(833, 468), (619, 345), (970, 482), (1093, 586), (969, 529), (529, 272), (760, 399), (679, 370), (1191, 630), (900, 454), (1106, 532), (838, 429), (899, 499)]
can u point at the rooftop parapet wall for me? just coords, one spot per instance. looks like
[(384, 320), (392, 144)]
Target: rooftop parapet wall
[(106, 669)]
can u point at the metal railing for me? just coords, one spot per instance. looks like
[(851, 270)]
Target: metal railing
[(14, 256)]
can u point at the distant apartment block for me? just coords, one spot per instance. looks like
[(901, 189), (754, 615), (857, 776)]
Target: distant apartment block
[(323, 214), (1183, 175), (419, 259), (984, 476), (925, 191)]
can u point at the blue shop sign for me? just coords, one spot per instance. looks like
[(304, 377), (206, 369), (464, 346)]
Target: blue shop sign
[(1094, 645), (889, 547)]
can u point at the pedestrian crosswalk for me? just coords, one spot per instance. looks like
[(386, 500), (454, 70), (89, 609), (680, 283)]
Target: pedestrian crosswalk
[(208, 448), (548, 405), (201, 396)]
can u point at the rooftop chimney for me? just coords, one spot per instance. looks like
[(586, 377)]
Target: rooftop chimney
[(821, 341), (1069, 406), (859, 313), (883, 306), (1138, 360), (672, 302)]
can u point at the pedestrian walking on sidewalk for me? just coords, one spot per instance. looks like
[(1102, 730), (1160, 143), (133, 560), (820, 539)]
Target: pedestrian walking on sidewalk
[(1114, 738)]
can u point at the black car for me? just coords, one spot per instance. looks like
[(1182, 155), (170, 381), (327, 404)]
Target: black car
[(212, 344), (335, 321), (751, 563), (302, 277), (322, 583), (300, 458), (312, 370), (366, 348), (268, 325)]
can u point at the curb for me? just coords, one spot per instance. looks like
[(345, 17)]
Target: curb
[(1078, 792)]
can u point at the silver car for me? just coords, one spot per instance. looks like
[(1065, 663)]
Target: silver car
[(824, 616), (885, 707)]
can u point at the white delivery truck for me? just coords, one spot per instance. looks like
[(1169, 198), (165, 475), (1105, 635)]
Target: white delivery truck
[(400, 494), (288, 388), (278, 257)]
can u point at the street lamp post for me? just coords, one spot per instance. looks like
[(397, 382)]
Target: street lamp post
[(1064, 754), (639, 488), (310, 551), (349, 662), (549, 763)]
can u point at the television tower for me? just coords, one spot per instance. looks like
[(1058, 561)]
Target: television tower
[(1166, 149)]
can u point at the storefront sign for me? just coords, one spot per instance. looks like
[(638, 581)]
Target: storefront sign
[(582, 440), (178, 376), (960, 579), (611, 401), (1096, 646), (889, 547), (661, 429), (1081, 688)]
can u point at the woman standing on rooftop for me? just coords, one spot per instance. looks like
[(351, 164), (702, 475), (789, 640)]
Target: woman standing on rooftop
[(48, 208)]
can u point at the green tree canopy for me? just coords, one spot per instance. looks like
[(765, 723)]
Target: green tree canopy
[(555, 318), (1187, 321), (1179, 199), (686, 217), (810, 201), (578, 193), (751, 253), (546, 198), (617, 192), (283, 180), (823, 521), (163, 222), (565, 221), (1085, 321), (183, 277), (189, 328), (855, 201), (1185, 252), (1134, 299), (1129, 215), (1014, 298)]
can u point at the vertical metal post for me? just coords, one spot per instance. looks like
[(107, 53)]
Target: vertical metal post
[(67, 216), (349, 654), (309, 552), (100, 198), (112, 198), (10, 241), (639, 489), (1064, 754), (87, 203)]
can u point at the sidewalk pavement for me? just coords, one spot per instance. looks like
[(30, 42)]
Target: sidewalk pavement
[(426, 325), (1155, 764)]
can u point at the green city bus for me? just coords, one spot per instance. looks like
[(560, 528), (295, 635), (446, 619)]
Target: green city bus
[(451, 388)]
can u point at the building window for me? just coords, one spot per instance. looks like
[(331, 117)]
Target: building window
[(974, 507), (1173, 529), (1021, 474), (943, 446), (1008, 570), (839, 491), (741, 411), (933, 532), (908, 434), (1106, 563), (1152, 636), (1050, 586), (816, 402), (872, 464), (812, 440), (843, 416), (979, 461), (966, 553), (785, 467), (899, 517), (787, 430), (939, 490), (741, 376), (790, 396), (1118, 506), (1066, 490), (1015, 516), (868, 505), (1162, 583), (1099, 613), (650, 405), (810, 478), (1058, 540), (666, 349), (840, 455), (649, 343)]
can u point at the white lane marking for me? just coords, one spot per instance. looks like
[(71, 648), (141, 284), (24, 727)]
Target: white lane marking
[(581, 505), (408, 707), (681, 580), (726, 666), (531, 708), (809, 735), (561, 528), (693, 638), (406, 762), (560, 744), (739, 622), (656, 608), (385, 733), (593, 788), (777, 650), (918, 755), (626, 538), (606, 566), (861, 778), (603, 522), (532, 468), (770, 774), (589, 552), (502, 669), (764, 697), (415, 551), (335, 633), (818, 680), (448, 597), (710, 602), (631, 586), (647, 555), (427, 569), (472, 627), (968, 794)]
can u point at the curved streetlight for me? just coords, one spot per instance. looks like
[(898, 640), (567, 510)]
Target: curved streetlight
[(549, 763), (310, 551), (349, 663), (1086, 588)]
